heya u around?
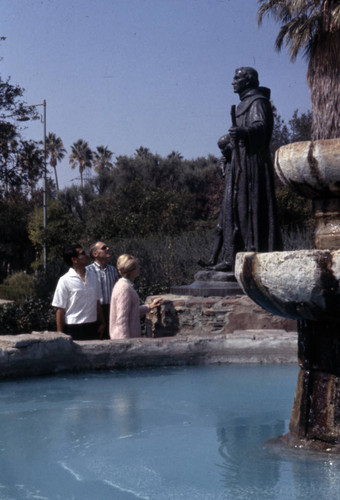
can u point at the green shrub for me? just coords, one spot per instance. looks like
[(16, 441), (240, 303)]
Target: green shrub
[(293, 210), (30, 315), (165, 261), (17, 286)]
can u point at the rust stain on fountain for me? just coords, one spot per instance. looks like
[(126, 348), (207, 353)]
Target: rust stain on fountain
[(314, 167), (329, 284)]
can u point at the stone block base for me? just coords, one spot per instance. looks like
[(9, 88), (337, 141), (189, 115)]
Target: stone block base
[(203, 316)]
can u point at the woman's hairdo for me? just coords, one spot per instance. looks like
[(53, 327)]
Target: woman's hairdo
[(126, 264)]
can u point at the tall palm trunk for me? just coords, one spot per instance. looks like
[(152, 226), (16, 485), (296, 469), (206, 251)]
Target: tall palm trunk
[(56, 177), (81, 169), (54, 165), (323, 78)]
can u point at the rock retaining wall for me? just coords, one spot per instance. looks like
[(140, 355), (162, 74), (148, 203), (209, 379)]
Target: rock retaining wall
[(184, 315)]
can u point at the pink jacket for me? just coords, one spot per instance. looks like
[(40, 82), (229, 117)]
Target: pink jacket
[(125, 311)]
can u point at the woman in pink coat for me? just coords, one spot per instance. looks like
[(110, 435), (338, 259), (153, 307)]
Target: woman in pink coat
[(125, 311)]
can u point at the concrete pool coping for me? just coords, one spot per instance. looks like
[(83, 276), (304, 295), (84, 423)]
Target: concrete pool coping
[(44, 353)]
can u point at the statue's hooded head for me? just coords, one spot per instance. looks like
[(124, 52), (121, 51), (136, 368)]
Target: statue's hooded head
[(245, 78)]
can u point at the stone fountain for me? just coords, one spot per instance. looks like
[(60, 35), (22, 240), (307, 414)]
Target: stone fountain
[(304, 285)]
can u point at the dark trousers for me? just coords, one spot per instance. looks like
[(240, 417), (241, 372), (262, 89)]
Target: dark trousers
[(83, 331), (106, 313)]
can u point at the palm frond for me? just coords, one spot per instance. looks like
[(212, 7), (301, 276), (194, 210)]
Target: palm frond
[(313, 27), (335, 21), (302, 22), (279, 10)]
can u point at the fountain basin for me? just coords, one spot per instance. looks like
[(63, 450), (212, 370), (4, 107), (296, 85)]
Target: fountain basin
[(310, 168), (302, 284)]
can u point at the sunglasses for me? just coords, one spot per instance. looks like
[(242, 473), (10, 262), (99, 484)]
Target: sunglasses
[(104, 247)]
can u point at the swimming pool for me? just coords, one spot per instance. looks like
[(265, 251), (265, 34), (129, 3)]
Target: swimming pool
[(166, 433)]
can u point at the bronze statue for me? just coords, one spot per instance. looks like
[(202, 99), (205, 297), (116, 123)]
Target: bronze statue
[(247, 220)]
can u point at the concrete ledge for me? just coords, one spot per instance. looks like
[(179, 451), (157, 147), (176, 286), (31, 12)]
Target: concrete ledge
[(42, 353)]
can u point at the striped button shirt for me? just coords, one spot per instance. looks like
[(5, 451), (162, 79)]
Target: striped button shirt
[(107, 277)]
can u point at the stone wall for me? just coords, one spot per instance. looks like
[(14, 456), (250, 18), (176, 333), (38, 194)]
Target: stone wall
[(42, 353), (184, 315)]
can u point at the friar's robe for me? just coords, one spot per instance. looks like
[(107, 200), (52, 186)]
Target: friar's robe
[(249, 218)]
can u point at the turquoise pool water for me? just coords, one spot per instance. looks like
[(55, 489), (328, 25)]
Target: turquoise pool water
[(168, 433)]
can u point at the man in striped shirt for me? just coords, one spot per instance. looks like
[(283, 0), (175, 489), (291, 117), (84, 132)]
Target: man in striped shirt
[(107, 276)]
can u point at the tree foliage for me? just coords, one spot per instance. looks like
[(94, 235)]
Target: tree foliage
[(294, 210), (146, 194), (299, 128), (62, 228), (11, 146), (10, 100), (138, 210), (313, 27), (15, 248), (30, 164), (151, 194)]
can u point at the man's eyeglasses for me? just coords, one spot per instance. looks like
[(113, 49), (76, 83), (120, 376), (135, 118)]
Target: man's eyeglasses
[(82, 253), (104, 247)]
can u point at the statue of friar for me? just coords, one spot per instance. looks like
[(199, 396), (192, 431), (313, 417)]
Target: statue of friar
[(247, 220)]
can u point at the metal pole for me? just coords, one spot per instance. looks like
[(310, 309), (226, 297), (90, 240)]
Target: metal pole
[(45, 192), (23, 119)]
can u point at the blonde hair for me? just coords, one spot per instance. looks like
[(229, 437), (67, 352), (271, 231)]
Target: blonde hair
[(126, 264)]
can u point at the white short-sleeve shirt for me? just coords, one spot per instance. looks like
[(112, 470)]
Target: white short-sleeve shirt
[(78, 298)]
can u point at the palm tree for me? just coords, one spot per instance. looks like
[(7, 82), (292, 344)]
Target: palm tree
[(81, 157), (313, 26), (175, 155), (55, 151), (142, 152), (102, 159)]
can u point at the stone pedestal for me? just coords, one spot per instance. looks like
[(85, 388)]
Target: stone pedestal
[(327, 216), (210, 284)]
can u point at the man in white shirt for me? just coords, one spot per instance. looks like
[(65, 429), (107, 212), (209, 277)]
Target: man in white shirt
[(107, 276), (77, 298)]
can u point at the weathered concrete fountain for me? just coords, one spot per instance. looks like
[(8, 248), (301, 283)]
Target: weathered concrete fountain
[(304, 285)]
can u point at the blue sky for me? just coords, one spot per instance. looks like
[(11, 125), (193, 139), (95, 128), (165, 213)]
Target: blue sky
[(152, 73)]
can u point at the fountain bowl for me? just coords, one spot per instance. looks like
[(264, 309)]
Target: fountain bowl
[(310, 168), (301, 284)]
